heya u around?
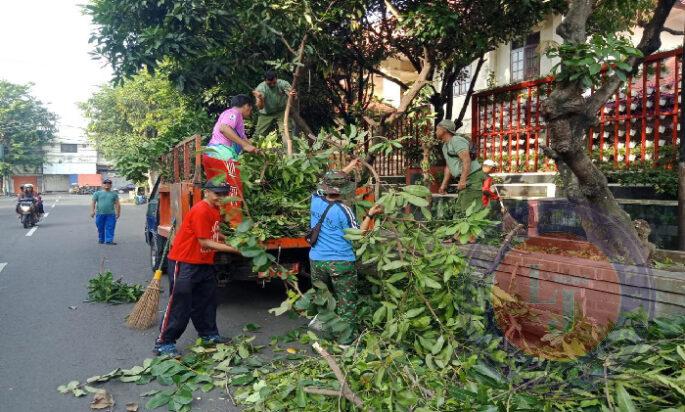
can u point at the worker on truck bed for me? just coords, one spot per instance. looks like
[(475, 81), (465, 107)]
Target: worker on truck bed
[(455, 149), (191, 263), (220, 160), (332, 257), (272, 97)]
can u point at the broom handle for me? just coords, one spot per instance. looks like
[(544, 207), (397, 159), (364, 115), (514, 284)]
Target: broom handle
[(499, 197), (158, 272)]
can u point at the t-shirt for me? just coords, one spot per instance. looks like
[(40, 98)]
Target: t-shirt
[(233, 118), (201, 222), (331, 244), (451, 150), (104, 202), (275, 98)]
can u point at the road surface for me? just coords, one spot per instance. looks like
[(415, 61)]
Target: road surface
[(50, 336)]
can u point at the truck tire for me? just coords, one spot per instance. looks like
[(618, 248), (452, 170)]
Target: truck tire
[(156, 248)]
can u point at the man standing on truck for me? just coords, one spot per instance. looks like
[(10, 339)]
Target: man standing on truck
[(332, 257), (105, 208), (191, 260), (272, 97), (220, 161), (456, 150)]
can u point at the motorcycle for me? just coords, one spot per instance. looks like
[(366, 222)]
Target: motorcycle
[(28, 211)]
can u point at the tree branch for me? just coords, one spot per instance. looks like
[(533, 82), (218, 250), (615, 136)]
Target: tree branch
[(673, 31), (649, 43), (344, 387), (289, 103), (393, 79), (415, 88), (469, 93)]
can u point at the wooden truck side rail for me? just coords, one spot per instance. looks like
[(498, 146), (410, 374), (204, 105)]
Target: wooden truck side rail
[(181, 188)]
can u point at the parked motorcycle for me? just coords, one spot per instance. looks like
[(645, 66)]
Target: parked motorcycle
[(28, 211)]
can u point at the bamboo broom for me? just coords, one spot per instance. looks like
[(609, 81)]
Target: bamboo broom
[(144, 313)]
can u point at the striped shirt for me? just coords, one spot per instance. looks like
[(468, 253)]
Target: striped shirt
[(331, 244)]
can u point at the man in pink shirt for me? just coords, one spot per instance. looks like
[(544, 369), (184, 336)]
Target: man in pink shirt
[(228, 140)]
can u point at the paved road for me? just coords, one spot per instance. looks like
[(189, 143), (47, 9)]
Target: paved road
[(44, 343)]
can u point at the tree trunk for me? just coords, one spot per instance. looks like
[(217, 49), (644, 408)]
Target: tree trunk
[(605, 223)]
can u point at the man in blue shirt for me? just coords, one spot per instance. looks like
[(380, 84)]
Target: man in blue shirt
[(332, 257)]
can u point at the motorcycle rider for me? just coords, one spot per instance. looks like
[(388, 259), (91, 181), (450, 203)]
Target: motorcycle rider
[(28, 192)]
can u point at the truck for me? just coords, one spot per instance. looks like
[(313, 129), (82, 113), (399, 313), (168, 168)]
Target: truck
[(177, 189)]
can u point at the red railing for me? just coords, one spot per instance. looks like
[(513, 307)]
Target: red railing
[(410, 155), (640, 123)]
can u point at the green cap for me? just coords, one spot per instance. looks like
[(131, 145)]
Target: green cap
[(448, 125), (336, 183)]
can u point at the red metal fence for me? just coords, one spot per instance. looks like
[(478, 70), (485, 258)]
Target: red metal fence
[(410, 155), (639, 124)]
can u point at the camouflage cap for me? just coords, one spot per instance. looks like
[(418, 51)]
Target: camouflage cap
[(448, 125), (336, 183)]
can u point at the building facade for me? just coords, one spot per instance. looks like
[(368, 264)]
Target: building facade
[(65, 159)]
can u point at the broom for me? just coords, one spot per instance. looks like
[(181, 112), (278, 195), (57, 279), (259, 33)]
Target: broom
[(509, 224), (144, 313)]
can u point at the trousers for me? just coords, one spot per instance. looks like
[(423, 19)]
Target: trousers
[(106, 225), (193, 297), (341, 279)]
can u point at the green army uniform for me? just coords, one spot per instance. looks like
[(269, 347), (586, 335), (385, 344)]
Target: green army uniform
[(341, 278), (474, 183), (275, 100)]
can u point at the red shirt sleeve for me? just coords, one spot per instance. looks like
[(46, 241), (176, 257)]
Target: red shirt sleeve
[(202, 223)]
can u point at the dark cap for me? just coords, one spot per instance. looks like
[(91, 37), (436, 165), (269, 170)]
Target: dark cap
[(107, 181), (217, 187)]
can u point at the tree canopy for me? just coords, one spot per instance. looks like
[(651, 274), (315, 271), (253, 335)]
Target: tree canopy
[(137, 121), (219, 48), (26, 125)]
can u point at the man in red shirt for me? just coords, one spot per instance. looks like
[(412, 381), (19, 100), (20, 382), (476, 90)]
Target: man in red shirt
[(191, 260)]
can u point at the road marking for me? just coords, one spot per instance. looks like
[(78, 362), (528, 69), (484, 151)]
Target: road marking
[(32, 231), (53, 205), (2, 266), (46, 215)]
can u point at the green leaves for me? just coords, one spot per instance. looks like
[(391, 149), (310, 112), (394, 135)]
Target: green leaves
[(582, 62), (102, 288)]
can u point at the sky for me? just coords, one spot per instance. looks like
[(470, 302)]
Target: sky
[(45, 42)]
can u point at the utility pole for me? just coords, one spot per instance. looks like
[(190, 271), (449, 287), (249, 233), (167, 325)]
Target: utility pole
[(681, 156)]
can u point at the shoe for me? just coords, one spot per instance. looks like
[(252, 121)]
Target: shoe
[(214, 339), (110, 243), (100, 242), (315, 324), (166, 349)]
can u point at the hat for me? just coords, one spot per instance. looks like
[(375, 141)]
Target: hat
[(448, 125), (489, 162), (336, 183), (217, 187), (107, 181)]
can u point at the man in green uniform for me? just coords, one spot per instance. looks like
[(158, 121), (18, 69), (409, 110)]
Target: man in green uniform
[(272, 97), (106, 209), (455, 149)]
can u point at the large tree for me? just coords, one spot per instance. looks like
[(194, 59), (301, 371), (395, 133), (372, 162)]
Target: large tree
[(137, 121), (26, 126), (570, 111)]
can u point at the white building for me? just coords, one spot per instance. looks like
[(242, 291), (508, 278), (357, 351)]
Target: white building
[(65, 159)]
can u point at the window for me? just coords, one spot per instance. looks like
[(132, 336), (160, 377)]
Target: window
[(68, 148), (525, 61), (461, 85)]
